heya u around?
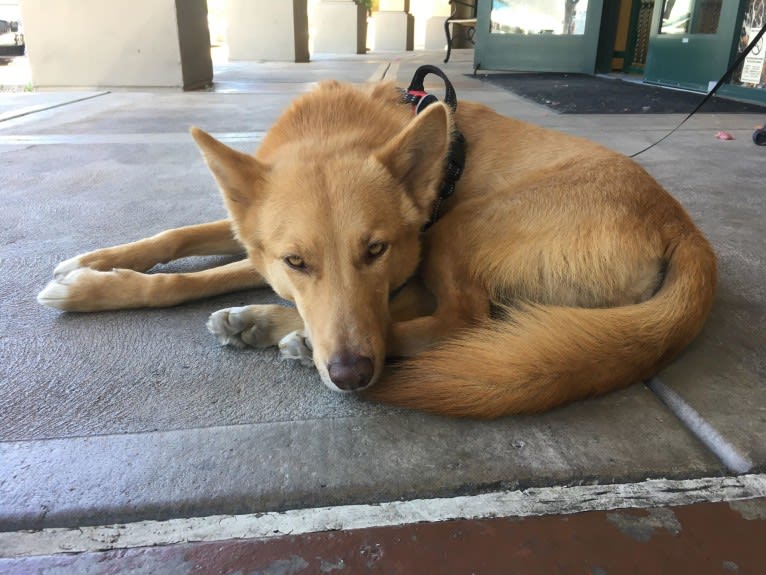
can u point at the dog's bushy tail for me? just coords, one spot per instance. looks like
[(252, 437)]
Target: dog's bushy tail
[(539, 357)]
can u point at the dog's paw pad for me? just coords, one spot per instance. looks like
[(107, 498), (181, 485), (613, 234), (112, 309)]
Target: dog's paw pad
[(227, 326), (296, 346)]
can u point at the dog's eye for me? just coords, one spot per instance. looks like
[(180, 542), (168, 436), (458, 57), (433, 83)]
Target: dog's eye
[(295, 262), (376, 249)]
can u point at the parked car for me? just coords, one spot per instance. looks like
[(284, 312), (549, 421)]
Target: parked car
[(11, 38)]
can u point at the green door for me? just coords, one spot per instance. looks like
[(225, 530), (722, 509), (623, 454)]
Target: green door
[(691, 42), (537, 35)]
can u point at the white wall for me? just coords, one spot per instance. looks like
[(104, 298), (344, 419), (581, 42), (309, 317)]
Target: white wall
[(267, 30), (104, 42)]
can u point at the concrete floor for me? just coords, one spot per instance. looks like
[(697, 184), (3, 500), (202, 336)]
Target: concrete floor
[(127, 416)]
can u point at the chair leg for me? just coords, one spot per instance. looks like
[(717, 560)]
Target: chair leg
[(449, 39)]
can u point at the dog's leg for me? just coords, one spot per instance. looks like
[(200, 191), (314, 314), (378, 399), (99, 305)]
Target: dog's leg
[(458, 306), (85, 289), (414, 300), (263, 326), (409, 338), (451, 300), (112, 278), (214, 238)]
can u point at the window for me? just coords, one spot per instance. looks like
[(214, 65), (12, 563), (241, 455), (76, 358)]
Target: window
[(690, 16), (555, 17)]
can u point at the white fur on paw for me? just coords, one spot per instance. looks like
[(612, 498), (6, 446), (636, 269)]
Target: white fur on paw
[(227, 326), (67, 266), (55, 294), (295, 345), (58, 291)]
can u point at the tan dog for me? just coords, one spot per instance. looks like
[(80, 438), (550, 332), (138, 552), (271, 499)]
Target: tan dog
[(558, 269)]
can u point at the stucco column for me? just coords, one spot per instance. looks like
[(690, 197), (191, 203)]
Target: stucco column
[(435, 38), (340, 27), (394, 26), (267, 30), (118, 43)]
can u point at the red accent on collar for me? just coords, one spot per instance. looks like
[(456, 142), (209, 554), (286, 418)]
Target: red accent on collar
[(418, 94)]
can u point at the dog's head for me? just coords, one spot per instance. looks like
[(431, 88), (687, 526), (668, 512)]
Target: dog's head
[(334, 226)]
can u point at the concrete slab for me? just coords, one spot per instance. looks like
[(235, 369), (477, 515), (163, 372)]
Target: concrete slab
[(18, 104), (159, 113), (245, 76), (339, 455), (722, 374), (114, 416)]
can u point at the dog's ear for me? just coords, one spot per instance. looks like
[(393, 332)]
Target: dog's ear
[(417, 155), (238, 174)]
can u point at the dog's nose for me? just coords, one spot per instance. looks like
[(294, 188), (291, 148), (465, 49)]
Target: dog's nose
[(350, 371)]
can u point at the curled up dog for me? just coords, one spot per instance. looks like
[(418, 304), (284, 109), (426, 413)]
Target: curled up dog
[(557, 269)]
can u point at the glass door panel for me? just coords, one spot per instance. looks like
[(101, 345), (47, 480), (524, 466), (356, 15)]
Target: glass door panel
[(691, 42), (538, 35), (559, 17)]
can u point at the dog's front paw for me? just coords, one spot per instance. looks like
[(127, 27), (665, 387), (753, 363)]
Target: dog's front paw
[(67, 266), (83, 289), (297, 346), (58, 291), (231, 326), (253, 325)]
